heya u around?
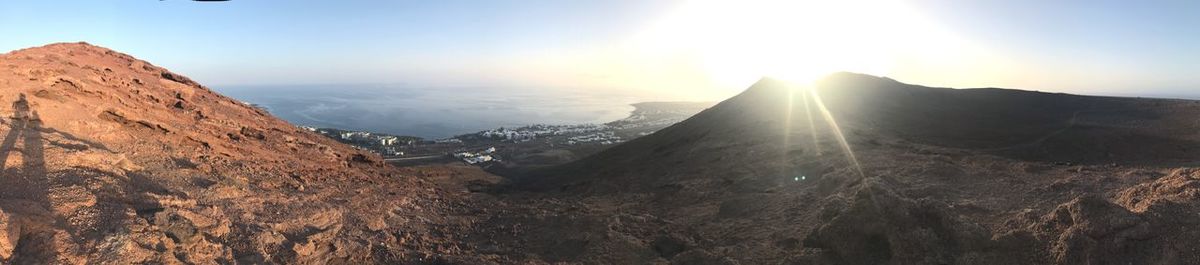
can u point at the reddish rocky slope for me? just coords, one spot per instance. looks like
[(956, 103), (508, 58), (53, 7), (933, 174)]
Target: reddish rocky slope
[(109, 159)]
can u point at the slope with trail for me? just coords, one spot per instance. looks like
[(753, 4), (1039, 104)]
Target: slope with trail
[(948, 176)]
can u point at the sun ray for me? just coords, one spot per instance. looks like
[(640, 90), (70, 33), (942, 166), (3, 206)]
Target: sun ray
[(837, 131), (812, 126), (787, 132)]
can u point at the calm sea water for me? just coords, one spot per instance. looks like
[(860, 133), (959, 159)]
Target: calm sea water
[(432, 112)]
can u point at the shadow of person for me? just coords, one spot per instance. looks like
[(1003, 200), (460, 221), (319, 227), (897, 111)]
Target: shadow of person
[(21, 107), (33, 150), (28, 185), (20, 111)]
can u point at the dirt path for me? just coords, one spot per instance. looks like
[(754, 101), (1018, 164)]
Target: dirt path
[(1038, 142)]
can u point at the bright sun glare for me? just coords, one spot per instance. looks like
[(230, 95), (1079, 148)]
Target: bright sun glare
[(737, 42)]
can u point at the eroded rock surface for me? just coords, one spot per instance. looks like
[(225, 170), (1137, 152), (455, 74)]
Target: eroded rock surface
[(107, 159)]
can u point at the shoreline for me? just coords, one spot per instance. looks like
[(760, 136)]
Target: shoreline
[(638, 107)]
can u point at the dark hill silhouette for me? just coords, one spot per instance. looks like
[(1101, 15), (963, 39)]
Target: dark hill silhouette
[(943, 176), (1024, 125)]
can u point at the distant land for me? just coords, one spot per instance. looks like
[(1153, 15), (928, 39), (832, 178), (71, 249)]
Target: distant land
[(519, 147), (434, 113)]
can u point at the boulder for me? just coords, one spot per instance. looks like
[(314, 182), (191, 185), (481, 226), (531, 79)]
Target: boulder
[(874, 225)]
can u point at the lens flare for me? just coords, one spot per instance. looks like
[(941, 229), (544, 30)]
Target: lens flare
[(812, 100), (837, 130), (787, 132), (812, 126)]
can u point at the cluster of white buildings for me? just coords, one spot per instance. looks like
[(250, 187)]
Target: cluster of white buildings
[(388, 145), (511, 135), (391, 151), (540, 130), (484, 155), (388, 140), (639, 123), (366, 137), (605, 137), (354, 135)]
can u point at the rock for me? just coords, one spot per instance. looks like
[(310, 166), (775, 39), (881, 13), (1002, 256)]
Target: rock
[(376, 223), (253, 133), (1092, 230), (1181, 186), (878, 226), (304, 249), (177, 78), (668, 246), (361, 158), (176, 226)]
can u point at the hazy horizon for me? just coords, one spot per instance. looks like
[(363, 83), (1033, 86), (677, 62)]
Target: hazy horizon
[(680, 50), (432, 113)]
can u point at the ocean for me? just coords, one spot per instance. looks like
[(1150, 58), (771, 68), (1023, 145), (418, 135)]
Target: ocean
[(433, 112)]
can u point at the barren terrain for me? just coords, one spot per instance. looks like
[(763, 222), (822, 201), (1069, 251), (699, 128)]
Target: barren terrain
[(111, 160), (948, 176)]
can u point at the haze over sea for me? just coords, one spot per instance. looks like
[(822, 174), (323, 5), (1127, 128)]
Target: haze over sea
[(433, 113)]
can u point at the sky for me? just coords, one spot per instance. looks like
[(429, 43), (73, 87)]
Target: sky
[(673, 49)]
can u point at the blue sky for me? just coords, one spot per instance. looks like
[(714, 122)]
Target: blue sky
[(1157, 42), (1094, 47), (231, 42)]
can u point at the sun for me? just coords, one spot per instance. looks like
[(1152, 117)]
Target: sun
[(738, 42)]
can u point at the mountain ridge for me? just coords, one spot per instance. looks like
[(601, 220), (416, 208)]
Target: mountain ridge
[(978, 123), (975, 176)]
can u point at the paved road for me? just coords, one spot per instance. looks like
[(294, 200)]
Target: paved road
[(413, 158)]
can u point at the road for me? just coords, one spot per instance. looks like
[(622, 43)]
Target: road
[(414, 158)]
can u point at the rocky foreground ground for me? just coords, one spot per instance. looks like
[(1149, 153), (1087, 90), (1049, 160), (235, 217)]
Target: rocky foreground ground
[(111, 160)]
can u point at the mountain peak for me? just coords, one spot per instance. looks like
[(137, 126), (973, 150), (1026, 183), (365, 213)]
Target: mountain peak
[(851, 78), (770, 86), (839, 80), (62, 48)]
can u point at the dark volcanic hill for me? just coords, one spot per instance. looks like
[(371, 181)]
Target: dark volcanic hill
[(1021, 125), (938, 176), (111, 160)]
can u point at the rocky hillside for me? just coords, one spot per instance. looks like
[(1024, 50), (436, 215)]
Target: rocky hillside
[(935, 176), (109, 159)]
